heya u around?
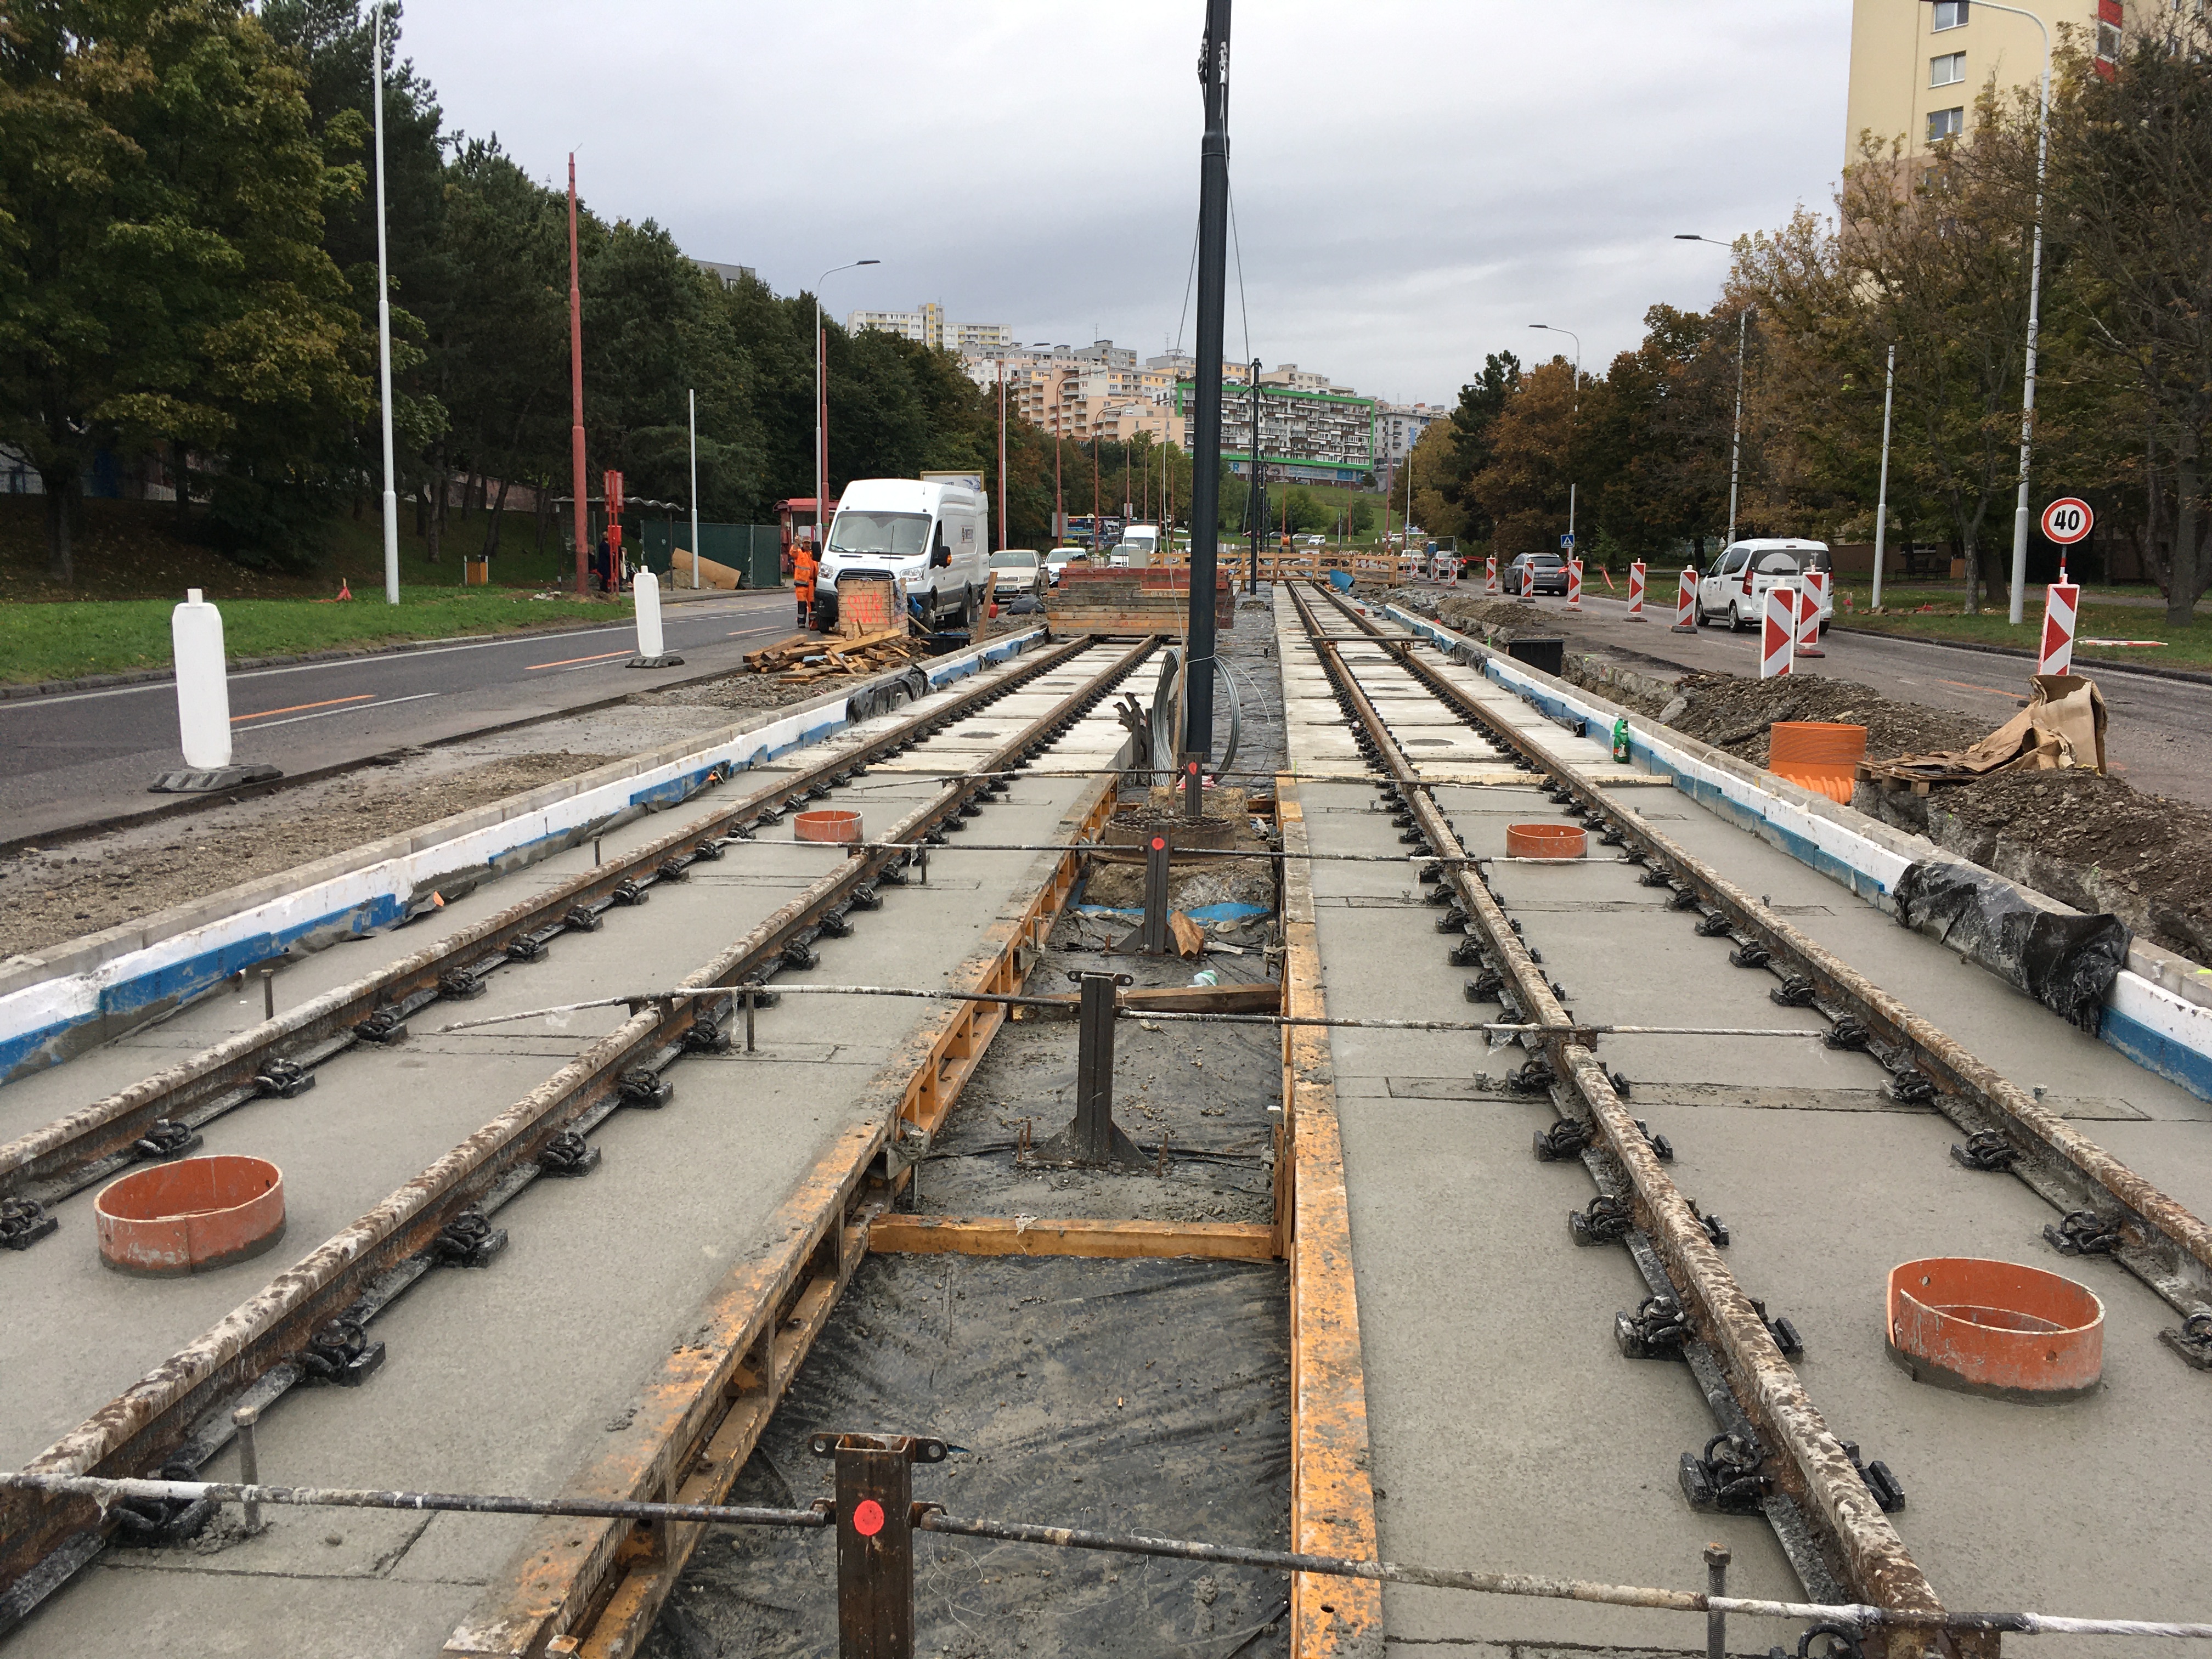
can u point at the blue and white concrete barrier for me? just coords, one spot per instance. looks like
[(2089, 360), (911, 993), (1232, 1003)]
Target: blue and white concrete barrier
[(67, 999)]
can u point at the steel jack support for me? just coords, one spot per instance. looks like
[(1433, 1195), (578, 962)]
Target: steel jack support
[(1193, 788), (1092, 1137), (1149, 938), (875, 1539)]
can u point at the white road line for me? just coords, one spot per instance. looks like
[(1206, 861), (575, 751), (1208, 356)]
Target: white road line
[(350, 708)]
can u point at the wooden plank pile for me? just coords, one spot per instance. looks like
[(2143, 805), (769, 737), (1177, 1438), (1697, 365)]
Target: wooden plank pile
[(806, 656), (1129, 601)]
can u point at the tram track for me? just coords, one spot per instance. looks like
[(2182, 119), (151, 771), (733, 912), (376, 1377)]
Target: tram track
[(315, 1320), (1818, 1497)]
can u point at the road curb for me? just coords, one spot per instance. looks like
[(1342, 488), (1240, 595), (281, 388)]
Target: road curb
[(250, 664)]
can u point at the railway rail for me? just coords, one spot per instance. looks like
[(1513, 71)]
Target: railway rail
[(316, 1320), (1774, 1452)]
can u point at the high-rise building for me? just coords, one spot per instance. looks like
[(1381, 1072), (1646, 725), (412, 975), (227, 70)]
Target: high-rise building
[(928, 327), (1917, 67), (1398, 428), (1307, 437), (728, 276)]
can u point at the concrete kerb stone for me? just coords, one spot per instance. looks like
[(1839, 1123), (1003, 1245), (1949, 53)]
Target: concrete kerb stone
[(57, 1002), (2150, 670), (2159, 1010)]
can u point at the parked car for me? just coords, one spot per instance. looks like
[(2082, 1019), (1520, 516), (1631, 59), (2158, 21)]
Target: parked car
[(1537, 573), (1016, 572), (1058, 560), (1734, 590)]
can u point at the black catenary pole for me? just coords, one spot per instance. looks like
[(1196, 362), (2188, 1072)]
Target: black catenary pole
[(1254, 506), (1206, 437)]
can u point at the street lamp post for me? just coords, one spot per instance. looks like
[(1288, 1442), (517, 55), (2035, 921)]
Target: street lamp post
[(1881, 498), (384, 341), (2019, 518), (822, 414), (1575, 414)]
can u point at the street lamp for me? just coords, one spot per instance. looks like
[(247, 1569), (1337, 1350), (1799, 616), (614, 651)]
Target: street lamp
[(1735, 443), (384, 341), (1576, 415), (2019, 518), (822, 417)]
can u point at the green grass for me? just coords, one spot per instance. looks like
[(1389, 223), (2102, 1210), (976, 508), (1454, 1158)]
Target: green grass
[(68, 639), (2184, 648)]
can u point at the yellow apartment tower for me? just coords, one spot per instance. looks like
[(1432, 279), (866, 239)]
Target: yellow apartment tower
[(1918, 65)]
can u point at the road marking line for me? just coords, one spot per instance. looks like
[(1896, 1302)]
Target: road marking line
[(565, 661), (295, 707), (386, 703)]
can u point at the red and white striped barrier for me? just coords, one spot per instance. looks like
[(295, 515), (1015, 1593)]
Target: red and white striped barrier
[(1635, 591), (1778, 634), (1685, 602), (1451, 572), (1575, 582), (1812, 591), (2061, 606), (1490, 577)]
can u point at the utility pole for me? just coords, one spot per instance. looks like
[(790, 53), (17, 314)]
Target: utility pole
[(1253, 502), (1002, 451), (694, 396), (1205, 479), (583, 513), (384, 338), (1881, 500)]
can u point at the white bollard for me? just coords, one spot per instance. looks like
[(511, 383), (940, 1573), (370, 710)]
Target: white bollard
[(651, 647), (1685, 602), (1778, 634), (204, 705), (202, 682), (1635, 591), (2062, 604), (1810, 598)]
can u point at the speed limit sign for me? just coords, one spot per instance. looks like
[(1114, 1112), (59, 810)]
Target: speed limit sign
[(2068, 520)]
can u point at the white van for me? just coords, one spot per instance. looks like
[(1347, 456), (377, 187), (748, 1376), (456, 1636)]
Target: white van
[(930, 536), (1734, 590)]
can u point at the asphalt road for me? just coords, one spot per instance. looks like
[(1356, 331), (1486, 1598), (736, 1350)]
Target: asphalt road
[(2161, 738), (79, 756)]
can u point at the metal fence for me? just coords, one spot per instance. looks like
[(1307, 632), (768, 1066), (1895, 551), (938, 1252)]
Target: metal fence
[(755, 550)]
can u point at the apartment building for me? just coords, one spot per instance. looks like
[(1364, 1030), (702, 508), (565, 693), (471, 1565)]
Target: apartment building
[(1307, 437), (929, 326), (1398, 428), (1917, 67)]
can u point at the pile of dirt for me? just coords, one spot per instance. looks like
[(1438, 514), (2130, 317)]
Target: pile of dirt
[(1735, 714), (49, 897), (2090, 841)]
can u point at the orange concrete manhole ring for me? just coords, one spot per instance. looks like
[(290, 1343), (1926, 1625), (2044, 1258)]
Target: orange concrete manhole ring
[(191, 1217), (829, 824), (1545, 841), (1821, 756), (1996, 1328)]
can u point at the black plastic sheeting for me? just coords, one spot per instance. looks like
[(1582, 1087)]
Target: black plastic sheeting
[(1129, 1396), (2064, 961)]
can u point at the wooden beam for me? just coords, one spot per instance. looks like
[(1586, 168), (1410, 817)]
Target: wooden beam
[(937, 1234)]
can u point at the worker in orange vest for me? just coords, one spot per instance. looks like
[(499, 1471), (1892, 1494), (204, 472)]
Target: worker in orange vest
[(802, 572)]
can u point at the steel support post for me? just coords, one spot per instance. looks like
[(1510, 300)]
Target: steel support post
[(1205, 418), (1149, 938), (875, 1539), (1091, 1136)]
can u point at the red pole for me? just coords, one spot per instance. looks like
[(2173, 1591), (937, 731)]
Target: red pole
[(1002, 451), (583, 513)]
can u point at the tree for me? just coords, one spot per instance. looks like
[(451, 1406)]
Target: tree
[(161, 273), (2131, 197), (1481, 401), (1536, 450)]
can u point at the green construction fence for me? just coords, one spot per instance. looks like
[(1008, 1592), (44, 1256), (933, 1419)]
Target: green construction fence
[(756, 550)]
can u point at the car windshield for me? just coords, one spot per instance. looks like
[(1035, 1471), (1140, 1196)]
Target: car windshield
[(898, 535), (1013, 561)]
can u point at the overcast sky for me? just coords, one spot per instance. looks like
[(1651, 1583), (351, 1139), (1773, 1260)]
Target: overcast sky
[(1416, 181)]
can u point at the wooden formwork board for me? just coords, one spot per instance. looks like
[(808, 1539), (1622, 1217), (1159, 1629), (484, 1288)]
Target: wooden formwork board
[(593, 1587), (944, 1235), (1332, 1496)]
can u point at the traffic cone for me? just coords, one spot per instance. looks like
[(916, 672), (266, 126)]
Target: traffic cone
[(345, 591)]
